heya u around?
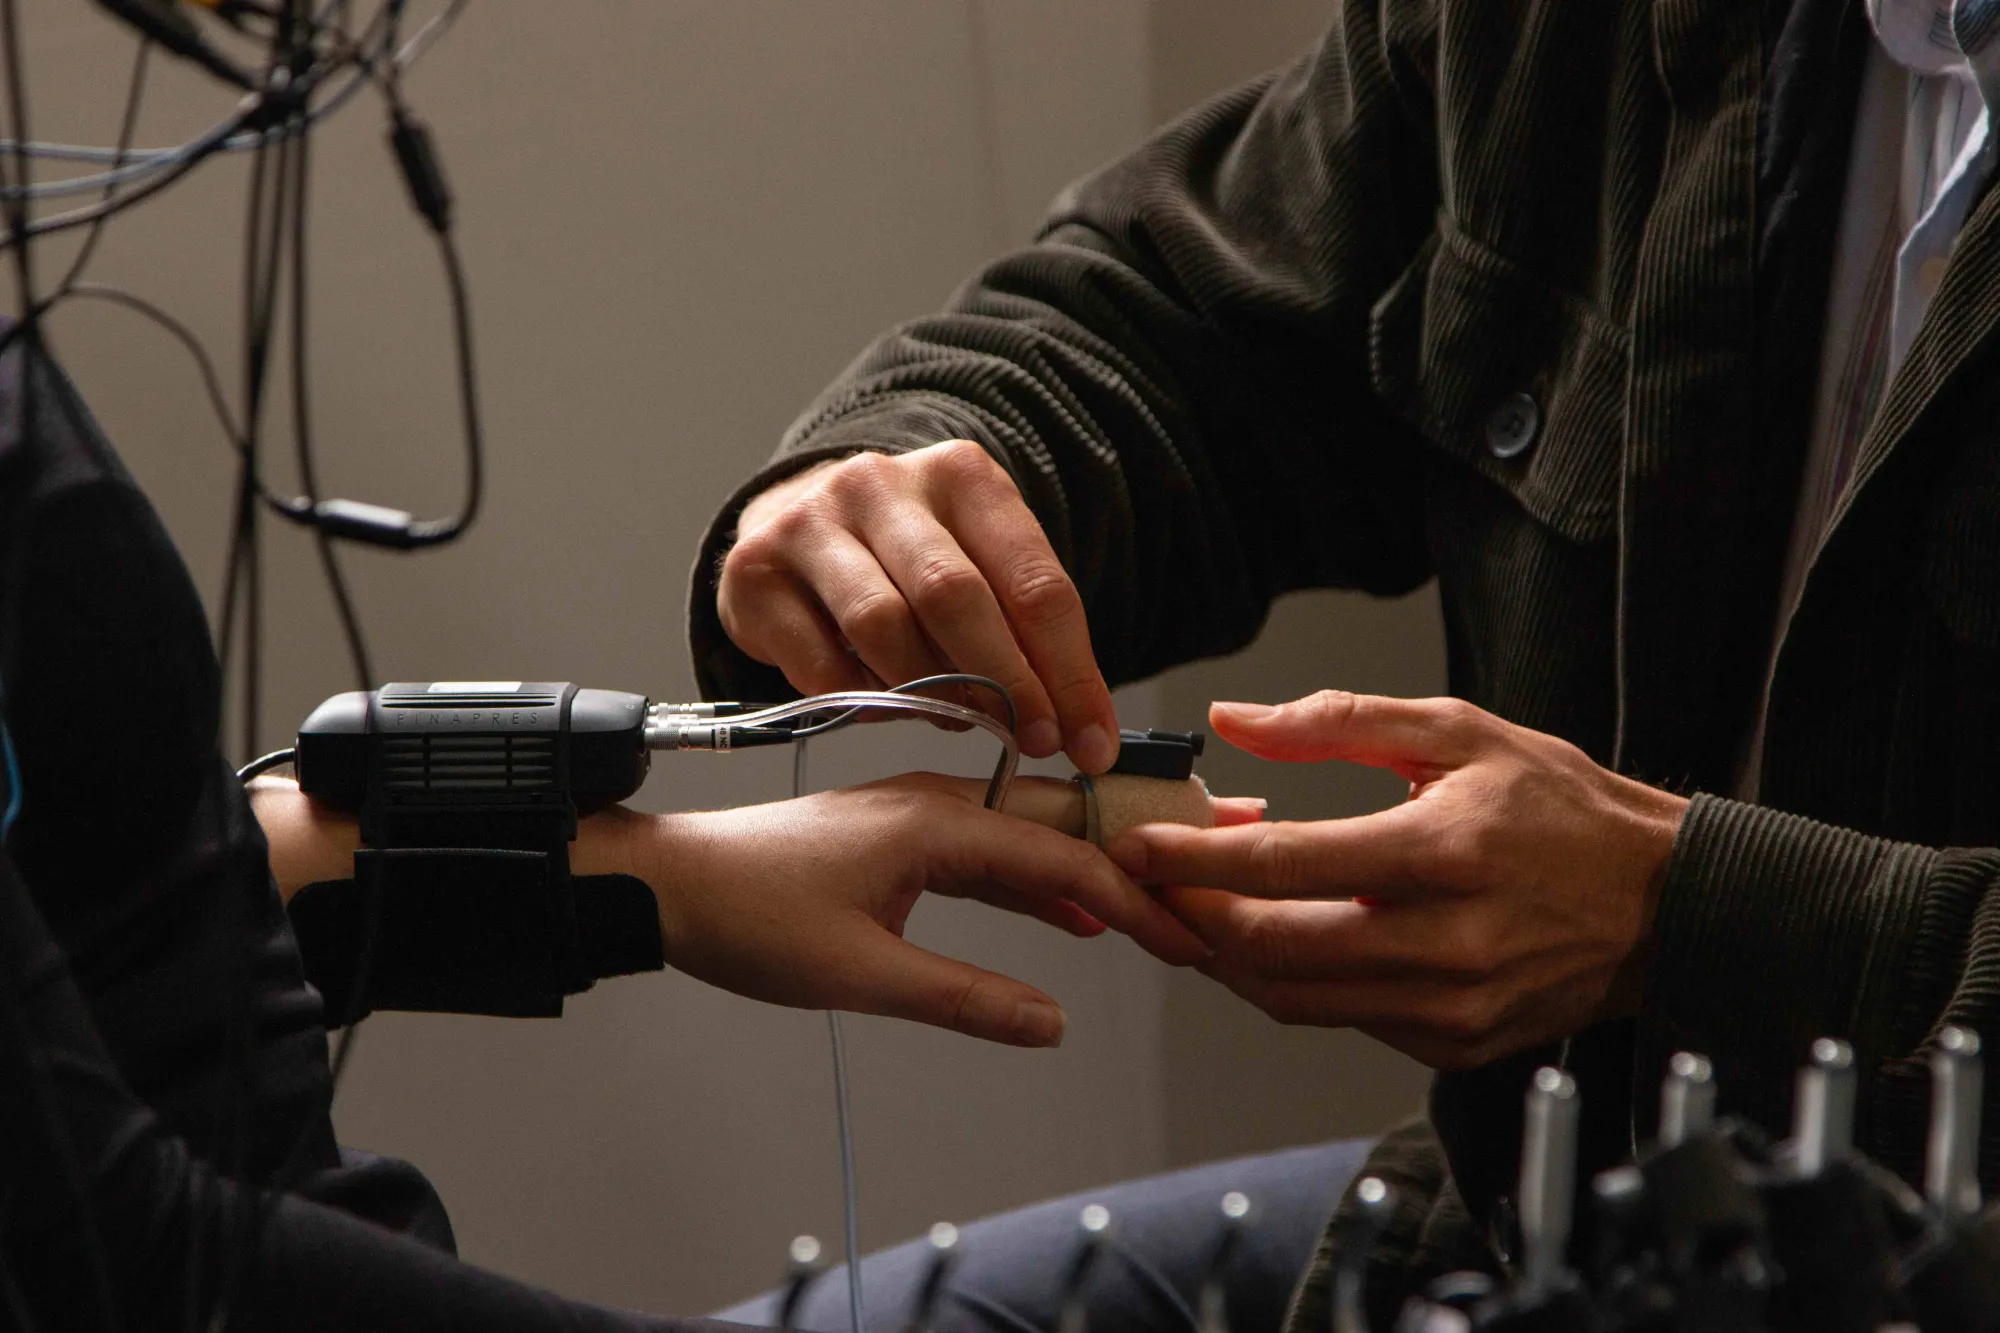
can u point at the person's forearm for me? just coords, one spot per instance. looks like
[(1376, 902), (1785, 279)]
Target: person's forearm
[(311, 842)]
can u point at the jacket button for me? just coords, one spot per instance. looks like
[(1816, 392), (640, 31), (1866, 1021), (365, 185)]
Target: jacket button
[(1511, 425)]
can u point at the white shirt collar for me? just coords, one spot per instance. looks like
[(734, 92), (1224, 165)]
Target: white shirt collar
[(1959, 37)]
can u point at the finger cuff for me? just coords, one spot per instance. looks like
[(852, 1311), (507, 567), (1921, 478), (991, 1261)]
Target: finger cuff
[(1116, 802)]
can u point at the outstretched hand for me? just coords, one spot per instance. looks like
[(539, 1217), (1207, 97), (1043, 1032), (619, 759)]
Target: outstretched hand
[(804, 902), (1508, 902)]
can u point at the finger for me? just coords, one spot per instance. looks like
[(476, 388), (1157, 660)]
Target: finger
[(1061, 913), (1034, 861), (1286, 940), (1411, 736), (897, 979), (776, 621), (1382, 854), (1233, 810), (1337, 1003), (960, 614), (1042, 605), (1051, 802), (868, 607)]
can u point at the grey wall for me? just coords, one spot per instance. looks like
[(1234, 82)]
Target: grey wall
[(680, 218)]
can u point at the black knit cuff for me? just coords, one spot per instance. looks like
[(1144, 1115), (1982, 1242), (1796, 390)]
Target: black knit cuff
[(1773, 930)]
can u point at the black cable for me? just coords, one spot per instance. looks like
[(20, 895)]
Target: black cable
[(264, 232), (211, 382), (263, 764), (336, 580), (127, 126)]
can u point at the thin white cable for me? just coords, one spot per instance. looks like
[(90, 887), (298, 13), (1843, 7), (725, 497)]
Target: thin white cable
[(850, 1193)]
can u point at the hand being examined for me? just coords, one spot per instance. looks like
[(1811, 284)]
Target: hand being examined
[(1508, 902), (804, 902)]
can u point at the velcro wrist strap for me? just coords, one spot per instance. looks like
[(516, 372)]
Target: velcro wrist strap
[(469, 931)]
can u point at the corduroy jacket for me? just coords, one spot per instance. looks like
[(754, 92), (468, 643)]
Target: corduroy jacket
[(1526, 297)]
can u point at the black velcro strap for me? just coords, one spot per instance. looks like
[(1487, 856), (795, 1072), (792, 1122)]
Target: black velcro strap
[(617, 926), (505, 933)]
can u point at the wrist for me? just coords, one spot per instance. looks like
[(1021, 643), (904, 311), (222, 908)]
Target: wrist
[(307, 842), (654, 849), (1656, 817)]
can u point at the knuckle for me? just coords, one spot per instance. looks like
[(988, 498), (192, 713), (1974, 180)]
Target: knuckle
[(1040, 590), (752, 558), (873, 620), (945, 586), (1278, 858), (1328, 709), (1266, 949), (1459, 714), (862, 477), (1467, 955), (1459, 853), (1468, 1016), (962, 463)]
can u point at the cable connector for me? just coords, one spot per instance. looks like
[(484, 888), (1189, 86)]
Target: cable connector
[(423, 173), (374, 525)]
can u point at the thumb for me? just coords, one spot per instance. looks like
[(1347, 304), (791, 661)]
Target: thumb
[(903, 980), (1403, 734)]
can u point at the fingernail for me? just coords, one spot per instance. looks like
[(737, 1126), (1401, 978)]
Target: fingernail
[(1244, 712), (1095, 750), (1038, 1024), (1129, 855), (1042, 738)]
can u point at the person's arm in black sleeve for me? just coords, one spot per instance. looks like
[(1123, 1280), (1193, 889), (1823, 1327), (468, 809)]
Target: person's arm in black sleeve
[(1905, 939), (109, 1222), (1176, 374)]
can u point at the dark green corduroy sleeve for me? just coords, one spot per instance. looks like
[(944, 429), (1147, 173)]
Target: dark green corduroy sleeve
[(1774, 929), (1176, 372)]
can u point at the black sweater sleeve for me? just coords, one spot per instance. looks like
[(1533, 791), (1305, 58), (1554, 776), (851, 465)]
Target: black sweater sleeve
[(1177, 372), (110, 1222)]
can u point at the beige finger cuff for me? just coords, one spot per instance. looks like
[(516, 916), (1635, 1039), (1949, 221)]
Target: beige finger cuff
[(1116, 802)]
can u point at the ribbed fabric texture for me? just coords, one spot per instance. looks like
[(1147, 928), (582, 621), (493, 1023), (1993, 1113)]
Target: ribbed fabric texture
[(1285, 343), (1775, 930)]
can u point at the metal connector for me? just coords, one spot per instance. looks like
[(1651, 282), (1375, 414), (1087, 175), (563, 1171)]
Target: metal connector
[(1951, 1161), (1823, 1118), (1548, 1176), (1687, 1099)]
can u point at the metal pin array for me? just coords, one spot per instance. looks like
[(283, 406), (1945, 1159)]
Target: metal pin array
[(1823, 1112), (801, 1268), (1687, 1099), (1548, 1176), (1951, 1164)]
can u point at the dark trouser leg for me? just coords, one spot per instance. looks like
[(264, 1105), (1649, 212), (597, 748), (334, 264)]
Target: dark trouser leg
[(1165, 1228)]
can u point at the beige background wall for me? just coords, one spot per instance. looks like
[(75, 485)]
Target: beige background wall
[(680, 218)]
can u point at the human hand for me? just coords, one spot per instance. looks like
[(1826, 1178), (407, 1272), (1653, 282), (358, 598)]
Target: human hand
[(804, 902), (1507, 903), (881, 568)]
